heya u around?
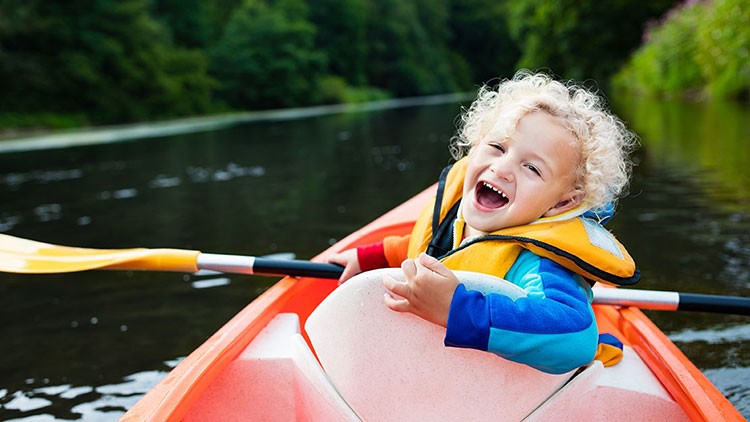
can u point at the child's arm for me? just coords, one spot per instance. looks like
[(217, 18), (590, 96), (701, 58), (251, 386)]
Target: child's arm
[(388, 253), (552, 329)]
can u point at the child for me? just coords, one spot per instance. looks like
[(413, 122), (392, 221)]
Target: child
[(545, 163)]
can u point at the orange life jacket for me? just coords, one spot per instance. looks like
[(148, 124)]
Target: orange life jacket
[(579, 244)]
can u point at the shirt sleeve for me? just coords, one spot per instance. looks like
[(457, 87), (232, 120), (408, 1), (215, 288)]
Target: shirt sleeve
[(388, 253), (396, 249), (371, 257), (552, 329)]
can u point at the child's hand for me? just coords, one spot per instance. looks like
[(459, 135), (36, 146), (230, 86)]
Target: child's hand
[(348, 259), (427, 291)]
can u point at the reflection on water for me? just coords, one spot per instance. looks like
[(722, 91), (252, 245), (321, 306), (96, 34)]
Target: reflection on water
[(101, 403), (87, 346), (709, 142), (690, 196), (687, 224)]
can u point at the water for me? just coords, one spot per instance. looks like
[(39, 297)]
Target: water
[(687, 224), (87, 346)]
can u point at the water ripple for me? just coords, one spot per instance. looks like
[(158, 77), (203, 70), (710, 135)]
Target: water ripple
[(736, 333), (84, 403), (231, 171), (15, 180), (48, 212), (733, 382)]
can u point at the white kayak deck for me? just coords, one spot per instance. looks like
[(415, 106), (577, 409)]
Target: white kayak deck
[(386, 366)]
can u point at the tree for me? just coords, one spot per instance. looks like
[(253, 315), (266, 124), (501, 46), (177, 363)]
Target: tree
[(266, 56), (579, 39), (697, 50), (189, 21), (404, 57), (723, 46), (342, 37), (106, 58), (481, 36)]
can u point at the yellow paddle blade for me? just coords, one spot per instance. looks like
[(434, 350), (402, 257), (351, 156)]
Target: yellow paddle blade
[(31, 257)]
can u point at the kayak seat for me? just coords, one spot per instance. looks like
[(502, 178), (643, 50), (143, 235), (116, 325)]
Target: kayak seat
[(628, 391), (276, 378), (392, 366)]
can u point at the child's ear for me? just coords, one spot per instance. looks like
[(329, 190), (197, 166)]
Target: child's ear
[(569, 201)]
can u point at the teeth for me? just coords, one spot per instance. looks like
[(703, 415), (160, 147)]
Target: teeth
[(495, 189)]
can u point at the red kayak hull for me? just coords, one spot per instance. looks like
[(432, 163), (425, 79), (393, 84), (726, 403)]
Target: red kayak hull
[(173, 398)]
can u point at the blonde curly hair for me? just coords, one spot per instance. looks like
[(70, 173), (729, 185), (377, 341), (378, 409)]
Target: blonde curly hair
[(604, 141)]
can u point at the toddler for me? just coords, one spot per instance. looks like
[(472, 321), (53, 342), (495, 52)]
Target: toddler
[(540, 166)]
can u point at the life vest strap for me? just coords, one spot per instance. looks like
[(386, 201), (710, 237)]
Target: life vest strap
[(596, 273)]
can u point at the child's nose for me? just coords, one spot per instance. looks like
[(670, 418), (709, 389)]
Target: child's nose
[(502, 169)]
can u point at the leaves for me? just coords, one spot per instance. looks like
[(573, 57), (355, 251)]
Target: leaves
[(700, 49), (266, 57), (128, 60), (109, 59), (579, 39)]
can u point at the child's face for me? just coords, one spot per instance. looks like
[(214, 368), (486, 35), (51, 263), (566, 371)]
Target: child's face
[(514, 181)]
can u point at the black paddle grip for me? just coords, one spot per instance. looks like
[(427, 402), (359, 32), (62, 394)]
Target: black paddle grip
[(713, 303), (296, 268)]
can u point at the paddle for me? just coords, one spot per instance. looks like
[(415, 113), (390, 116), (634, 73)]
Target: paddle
[(672, 301), (30, 257)]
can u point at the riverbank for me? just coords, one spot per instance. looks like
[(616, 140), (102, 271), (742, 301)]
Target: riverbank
[(139, 131)]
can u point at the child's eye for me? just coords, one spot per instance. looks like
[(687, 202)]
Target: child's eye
[(499, 147), (534, 169)]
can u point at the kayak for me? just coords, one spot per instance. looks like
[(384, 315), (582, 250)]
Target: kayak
[(307, 349)]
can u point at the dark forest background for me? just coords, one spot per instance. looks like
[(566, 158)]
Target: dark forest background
[(84, 62)]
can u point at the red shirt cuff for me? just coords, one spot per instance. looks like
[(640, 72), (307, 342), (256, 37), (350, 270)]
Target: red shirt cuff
[(371, 257)]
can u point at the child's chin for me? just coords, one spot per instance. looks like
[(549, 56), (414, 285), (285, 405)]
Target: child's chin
[(483, 225)]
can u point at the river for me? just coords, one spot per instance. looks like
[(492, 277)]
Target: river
[(87, 346)]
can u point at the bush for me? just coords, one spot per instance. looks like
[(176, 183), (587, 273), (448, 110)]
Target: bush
[(33, 121), (335, 90), (698, 50), (266, 57), (723, 49), (666, 64)]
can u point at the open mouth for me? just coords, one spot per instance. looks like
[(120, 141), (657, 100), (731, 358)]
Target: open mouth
[(489, 196)]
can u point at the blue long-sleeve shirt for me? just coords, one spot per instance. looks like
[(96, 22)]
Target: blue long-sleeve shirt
[(552, 329)]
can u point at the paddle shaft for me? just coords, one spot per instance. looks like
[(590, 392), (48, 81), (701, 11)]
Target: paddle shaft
[(238, 264), (673, 301), (643, 299)]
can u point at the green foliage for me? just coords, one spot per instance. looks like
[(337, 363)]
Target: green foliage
[(189, 21), (335, 90), (107, 59), (127, 60), (32, 121), (667, 62), (579, 39), (404, 58), (699, 49), (342, 36), (481, 36), (266, 56), (723, 48)]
